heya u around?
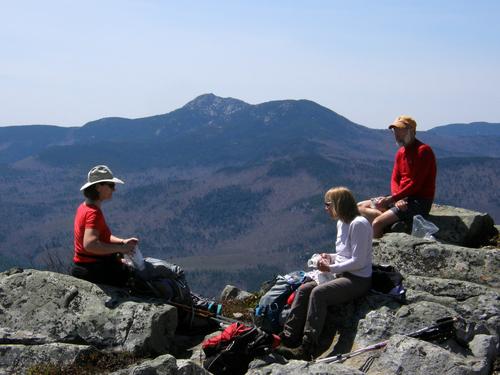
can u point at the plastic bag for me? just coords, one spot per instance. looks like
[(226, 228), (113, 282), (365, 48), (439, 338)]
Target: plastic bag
[(423, 228), (313, 262), (136, 260)]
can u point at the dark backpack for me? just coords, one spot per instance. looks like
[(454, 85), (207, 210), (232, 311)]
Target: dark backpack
[(388, 280), (269, 311), (169, 282), (231, 351)]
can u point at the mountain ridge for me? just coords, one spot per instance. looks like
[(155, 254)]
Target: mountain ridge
[(479, 128), (209, 118)]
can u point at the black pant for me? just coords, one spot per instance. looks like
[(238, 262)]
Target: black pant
[(416, 206), (109, 272)]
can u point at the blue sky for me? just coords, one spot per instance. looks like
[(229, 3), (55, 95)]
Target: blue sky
[(70, 62)]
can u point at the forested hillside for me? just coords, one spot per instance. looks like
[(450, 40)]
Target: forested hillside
[(233, 192)]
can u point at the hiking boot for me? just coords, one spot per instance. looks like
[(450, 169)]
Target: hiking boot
[(289, 342), (302, 352)]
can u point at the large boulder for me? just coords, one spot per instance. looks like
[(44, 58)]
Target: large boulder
[(406, 355), (462, 227), (421, 257), (442, 281), (164, 365), (273, 366), (231, 292), (58, 308), (17, 358), (477, 303)]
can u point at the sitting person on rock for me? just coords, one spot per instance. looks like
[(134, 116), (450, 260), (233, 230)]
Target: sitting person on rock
[(352, 266), (98, 253), (413, 181)]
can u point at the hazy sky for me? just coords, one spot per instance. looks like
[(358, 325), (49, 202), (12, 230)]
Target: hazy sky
[(70, 62)]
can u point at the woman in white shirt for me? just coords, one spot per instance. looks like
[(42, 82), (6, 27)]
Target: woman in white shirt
[(352, 266)]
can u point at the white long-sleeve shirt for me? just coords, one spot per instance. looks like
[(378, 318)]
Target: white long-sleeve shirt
[(354, 248)]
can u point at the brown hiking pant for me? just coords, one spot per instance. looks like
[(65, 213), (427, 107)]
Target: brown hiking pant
[(309, 307)]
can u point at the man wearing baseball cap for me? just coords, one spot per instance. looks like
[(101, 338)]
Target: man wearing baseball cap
[(413, 181)]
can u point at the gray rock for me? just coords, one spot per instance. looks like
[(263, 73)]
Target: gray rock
[(462, 227), (406, 355), (477, 303), (300, 368), (64, 309), (17, 359), (232, 292), (380, 324), (486, 348), (187, 367), (416, 256), (10, 337), (455, 289), (162, 365)]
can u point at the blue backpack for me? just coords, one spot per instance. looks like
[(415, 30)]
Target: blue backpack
[(269, 312)]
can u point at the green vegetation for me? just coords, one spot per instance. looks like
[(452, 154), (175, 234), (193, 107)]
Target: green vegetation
[(88, 364), (244, 307)]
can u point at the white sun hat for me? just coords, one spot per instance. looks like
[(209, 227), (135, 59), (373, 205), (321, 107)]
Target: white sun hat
[(100, 173)]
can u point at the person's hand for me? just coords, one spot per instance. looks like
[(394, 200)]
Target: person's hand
[(383, 202), (129, 246), (324, 265), (131, 239), (375, 202), (402, 205)]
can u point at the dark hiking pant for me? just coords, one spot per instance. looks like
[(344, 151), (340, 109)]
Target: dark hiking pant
[(309, 308), (110, 273)]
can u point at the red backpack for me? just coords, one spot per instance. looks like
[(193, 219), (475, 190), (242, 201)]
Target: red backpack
[(231, 351)]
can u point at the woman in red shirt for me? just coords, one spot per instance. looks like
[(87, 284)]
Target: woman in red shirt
[(98, 253)]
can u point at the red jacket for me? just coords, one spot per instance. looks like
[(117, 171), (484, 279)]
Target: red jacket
[(89, 216), (414, 172)]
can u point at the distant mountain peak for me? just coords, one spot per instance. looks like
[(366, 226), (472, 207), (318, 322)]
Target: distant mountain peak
[(472, 129), (214, 105)]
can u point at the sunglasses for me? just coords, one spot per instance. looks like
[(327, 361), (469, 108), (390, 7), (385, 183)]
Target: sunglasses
[(111, 185)]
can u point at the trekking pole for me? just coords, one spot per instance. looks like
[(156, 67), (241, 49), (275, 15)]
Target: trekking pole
[(441, 329), (342, 357), (204, 313)]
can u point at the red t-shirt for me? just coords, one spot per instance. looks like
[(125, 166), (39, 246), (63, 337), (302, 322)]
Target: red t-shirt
[(414, 172), (89, 216)]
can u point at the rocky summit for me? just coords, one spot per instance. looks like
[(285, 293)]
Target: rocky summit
[(50, 319)]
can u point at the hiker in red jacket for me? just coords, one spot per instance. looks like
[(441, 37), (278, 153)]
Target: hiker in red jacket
[(98, 253), (413, 181)]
